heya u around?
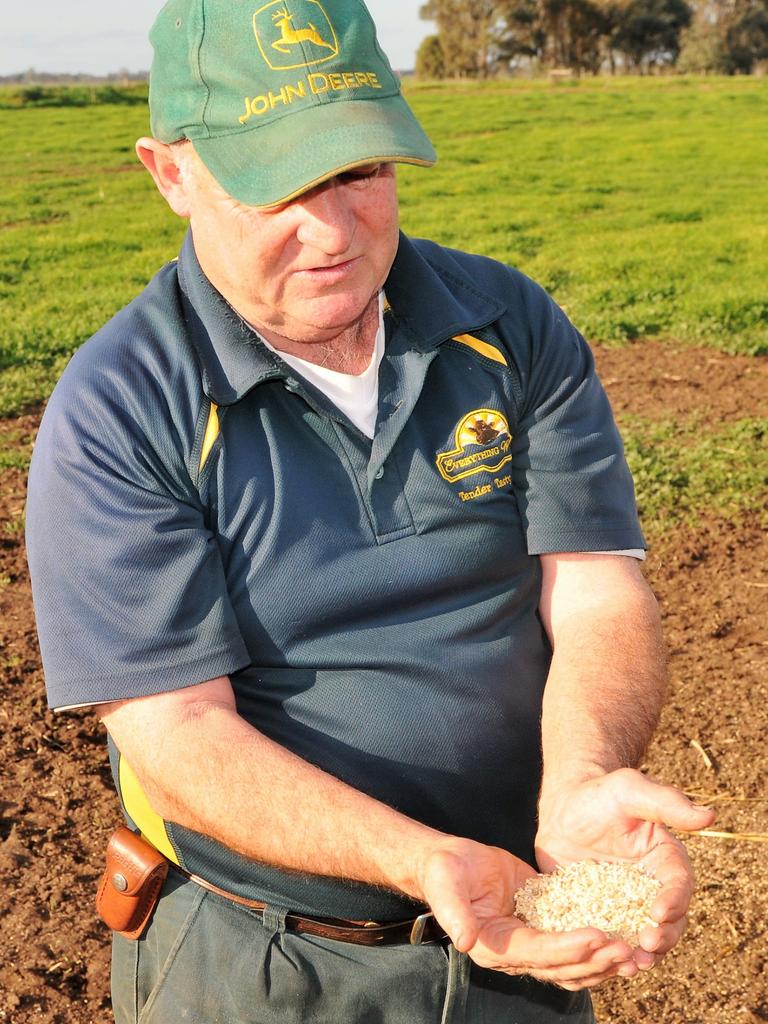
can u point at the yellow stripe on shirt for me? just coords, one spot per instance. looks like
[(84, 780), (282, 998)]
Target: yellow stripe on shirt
[(482, 347), (141, 812), (211, 433)]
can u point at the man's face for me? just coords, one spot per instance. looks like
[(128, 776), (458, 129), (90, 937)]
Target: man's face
[(304, 271)]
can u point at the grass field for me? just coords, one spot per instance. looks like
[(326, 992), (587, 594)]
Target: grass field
[(639, 203), (684, 471)]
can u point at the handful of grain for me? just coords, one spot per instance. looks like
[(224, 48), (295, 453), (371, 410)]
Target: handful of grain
[(616, 898)]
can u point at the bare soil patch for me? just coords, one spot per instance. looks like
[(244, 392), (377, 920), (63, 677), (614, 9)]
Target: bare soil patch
[(57, 806), (668, 381)]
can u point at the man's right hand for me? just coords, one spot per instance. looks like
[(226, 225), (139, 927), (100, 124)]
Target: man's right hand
[(471, 889)]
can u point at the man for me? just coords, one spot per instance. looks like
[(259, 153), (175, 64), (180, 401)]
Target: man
[(332, 528)]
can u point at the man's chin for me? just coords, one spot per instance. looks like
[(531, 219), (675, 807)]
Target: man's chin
[(325, 318)]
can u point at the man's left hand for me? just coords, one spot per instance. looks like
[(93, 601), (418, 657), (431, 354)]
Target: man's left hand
[(625, 816)]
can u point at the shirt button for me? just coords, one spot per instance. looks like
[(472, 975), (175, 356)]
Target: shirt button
[(379, 473)]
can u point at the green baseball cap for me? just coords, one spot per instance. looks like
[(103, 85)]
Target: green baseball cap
[(278, 97)]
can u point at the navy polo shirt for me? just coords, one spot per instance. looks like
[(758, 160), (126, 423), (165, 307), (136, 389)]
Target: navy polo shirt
[(197, 509)]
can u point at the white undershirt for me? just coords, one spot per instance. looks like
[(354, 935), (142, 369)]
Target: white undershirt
[(357, 395), (354, 394)]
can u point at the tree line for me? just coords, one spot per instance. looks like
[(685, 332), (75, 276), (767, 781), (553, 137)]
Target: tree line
[(482, 38)]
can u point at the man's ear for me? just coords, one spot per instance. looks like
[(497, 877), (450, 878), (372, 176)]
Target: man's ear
[(160, 160)]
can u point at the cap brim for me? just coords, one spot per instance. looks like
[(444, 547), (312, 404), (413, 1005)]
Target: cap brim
[(273, 163)]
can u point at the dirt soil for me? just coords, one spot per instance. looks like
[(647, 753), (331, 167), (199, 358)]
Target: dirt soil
[(57, 804)]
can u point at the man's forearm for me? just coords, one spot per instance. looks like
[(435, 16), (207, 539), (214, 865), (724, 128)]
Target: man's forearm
[(259, 799), (607, 678)]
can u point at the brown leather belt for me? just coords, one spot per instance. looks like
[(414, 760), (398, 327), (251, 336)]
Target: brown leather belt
[(416, 930)]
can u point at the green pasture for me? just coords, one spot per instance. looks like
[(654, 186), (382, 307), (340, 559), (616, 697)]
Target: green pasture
[(641, 204), (683, 471)]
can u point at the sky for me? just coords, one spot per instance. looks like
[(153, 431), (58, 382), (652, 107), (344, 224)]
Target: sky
[(96, 37)]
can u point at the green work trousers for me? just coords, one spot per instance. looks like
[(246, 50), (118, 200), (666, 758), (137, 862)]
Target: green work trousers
[(206, 960)]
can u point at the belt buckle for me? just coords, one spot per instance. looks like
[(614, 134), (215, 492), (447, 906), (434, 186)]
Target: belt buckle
[(419, 927)]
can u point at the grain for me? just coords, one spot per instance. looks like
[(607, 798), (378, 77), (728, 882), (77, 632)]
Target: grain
[(614, 897)]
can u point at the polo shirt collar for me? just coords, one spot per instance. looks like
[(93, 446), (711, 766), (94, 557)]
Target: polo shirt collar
[(433, 304), (232, 356), (429, 305)]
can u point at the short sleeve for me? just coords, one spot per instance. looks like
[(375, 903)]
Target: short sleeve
[(128, 586), (571, 479)]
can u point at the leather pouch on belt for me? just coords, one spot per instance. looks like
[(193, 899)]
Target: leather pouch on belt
[(130, 886)]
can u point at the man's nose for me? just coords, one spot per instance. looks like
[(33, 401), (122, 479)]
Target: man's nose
[(327, 219)]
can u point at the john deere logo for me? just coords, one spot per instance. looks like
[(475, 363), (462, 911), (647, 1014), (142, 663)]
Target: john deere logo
[(482, 443), (300, 38)]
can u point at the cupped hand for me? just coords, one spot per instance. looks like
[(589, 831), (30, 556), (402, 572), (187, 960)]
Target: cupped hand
[(626, 816), (471, 889)]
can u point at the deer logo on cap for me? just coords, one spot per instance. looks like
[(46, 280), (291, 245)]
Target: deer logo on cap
[(298, 40)]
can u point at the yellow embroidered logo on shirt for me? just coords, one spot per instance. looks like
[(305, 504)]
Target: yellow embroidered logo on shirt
[(482, 441), (298, 40)]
